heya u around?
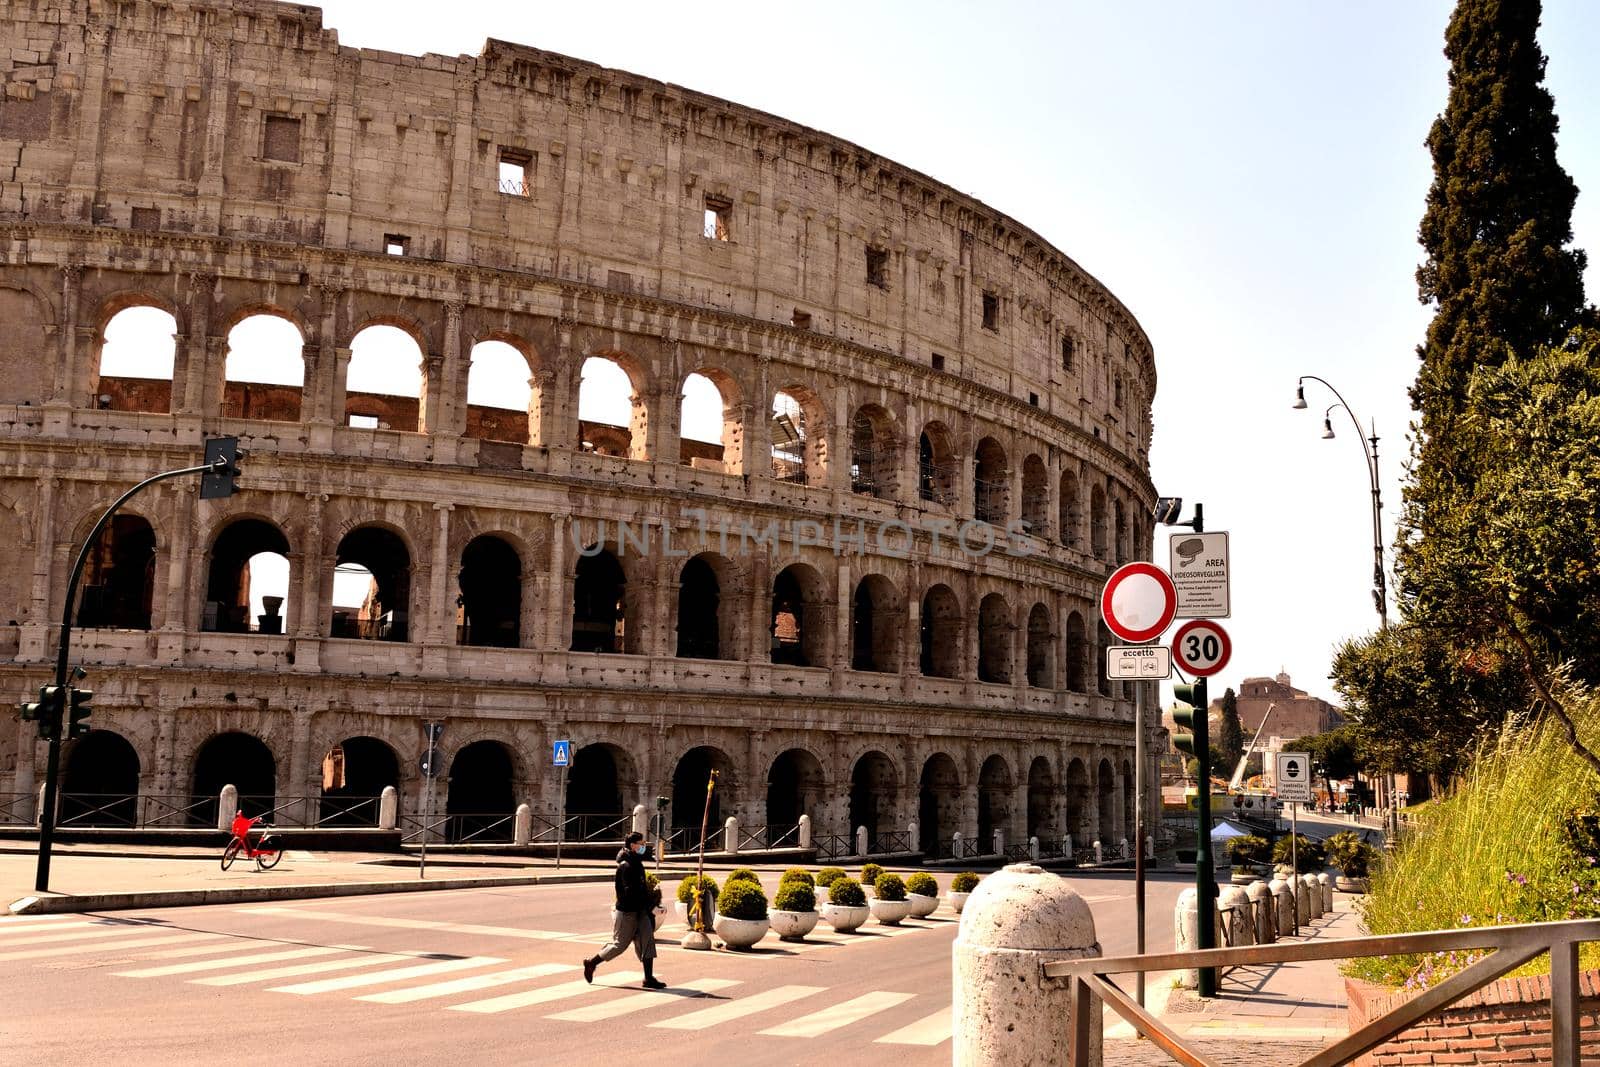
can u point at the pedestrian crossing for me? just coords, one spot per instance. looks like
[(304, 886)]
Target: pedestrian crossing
[(472, 985)]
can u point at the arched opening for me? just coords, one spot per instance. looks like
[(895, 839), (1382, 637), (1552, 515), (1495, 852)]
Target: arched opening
[(136, 361), (99, 781), (875, 626), (355, 772), (994, 801), (1069, 510), (264, 374), (710, 426), (383, 383), (499, 393), (936, 467), (1102, 642), (1120, 533), (1077, 653), (1097, 522), (612, 415), (489, 607), (1106, 795), (1041, 801), (991, 495), (598, 609), (1079, 824), (1035, 497), (794, 788), (242, 761), (799, 618), (594, 792), (799, 450), (939, 805), (994, 639), (119, 577), (872, 788), (940, 624), (482, 797), (1040, 675), (689, 780), (699, 610), (371, 586), (874, 464), (247, 585)]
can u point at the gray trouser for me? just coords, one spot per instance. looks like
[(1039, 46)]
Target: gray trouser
[(639, 927)]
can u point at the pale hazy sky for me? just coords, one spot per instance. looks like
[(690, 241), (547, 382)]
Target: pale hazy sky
[(1247, 177)]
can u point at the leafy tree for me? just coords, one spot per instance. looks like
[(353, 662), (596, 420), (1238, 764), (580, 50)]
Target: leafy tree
[(1230, 737)]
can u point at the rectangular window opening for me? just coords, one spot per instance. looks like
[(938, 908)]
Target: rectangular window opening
[(146, 218), (516, 171), (878, 268), (281, 139), (1066, 353), (938, 361), (801, 319), (364, 422), (991, 311), (1033, 398), (718, 219), (396, 244)]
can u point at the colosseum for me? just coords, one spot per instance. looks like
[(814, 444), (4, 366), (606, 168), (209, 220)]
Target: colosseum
[(866, 597)]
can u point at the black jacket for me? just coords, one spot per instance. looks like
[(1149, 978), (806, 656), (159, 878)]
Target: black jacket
[(633, 894)]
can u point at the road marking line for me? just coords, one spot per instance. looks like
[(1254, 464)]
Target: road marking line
[(32, 920), (738, 1009), (840, 1015), (548, 993), (320, 967), (234, 961), (117, 930), (412, 924), (468, 984), (351, 981), (640, 1001), (934, 1030), (108, 946)]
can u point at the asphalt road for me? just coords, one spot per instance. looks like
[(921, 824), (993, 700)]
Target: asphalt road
[(482, 977)]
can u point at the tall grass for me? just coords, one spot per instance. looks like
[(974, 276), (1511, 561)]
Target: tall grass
[(1489, 853)]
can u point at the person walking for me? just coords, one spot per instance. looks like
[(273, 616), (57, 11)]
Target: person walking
[(634, 918)]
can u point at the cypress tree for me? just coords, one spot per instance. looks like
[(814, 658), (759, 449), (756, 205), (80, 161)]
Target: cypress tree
[(1230, 738)]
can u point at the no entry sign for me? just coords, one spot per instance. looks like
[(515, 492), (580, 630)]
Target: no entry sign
[(1138, 602), (1201, 647)]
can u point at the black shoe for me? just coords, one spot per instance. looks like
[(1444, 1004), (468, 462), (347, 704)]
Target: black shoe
[(588, 968), (653, 983)]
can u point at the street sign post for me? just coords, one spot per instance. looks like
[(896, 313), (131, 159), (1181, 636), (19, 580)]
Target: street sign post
[(1138, 602), (1140, 662), (429, 766), (561, 754), (1198, 565), (561, 757), (1201, 647)]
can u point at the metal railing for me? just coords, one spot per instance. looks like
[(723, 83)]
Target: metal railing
[(176, 809), (889, 841), (682, 840), (834, 846), (17, 808), (97, 809), (515, 188), (989, 501), (1510, 947), (459, 828), (936, 482)]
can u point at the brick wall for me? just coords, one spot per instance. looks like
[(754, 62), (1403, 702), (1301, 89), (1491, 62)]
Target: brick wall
[(1504, 1022)]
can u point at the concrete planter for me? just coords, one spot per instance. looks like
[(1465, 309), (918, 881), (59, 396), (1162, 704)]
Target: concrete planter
[(958, 901), (793, 925), (1350, 885), (889, 912), (922, 906), (740, 933), (845, 919)]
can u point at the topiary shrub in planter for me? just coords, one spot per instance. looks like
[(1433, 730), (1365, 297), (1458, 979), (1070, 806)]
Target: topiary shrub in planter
[(1354, 858), (890, 887), (924, 894), (741, 874), (686, 893), (1248, 854), (828, 875), (794, 909), (846, 909), (869, 874), (652, 883), (1309, 853), (961, 887), (797, 874), (742, 913), (889, 904)]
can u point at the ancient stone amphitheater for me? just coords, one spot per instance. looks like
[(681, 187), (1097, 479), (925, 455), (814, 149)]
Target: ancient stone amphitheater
[(871, 602)]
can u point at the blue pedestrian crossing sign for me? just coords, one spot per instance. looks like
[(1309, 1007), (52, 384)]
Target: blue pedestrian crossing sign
[(561, 754)]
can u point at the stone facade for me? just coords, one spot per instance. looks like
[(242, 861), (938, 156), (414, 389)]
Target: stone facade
[(1298, 714), (223, 161)]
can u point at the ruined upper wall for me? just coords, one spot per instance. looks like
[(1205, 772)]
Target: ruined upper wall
[(250, 121)]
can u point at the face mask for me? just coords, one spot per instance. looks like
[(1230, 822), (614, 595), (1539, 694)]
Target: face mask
[(639, 849)]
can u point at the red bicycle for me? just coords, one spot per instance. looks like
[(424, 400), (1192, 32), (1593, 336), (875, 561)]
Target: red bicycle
[(266, 852)]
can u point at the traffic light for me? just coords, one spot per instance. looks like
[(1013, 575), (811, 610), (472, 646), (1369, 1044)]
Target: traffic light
[(219, 481), (1190, 715), (81, 709)]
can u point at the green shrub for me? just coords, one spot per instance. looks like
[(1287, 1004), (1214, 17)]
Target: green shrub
[(1308, 853), (889, 887), (742, 898), (1248, 849), (686, 888), (922, 884), (1350, 854), (797, 874), (827, 876), (740, 874), (869, 874), (965, 882), (795, 895), (846, 892), (652, 885)]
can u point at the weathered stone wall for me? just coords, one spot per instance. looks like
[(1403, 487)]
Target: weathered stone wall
[(222, 161)]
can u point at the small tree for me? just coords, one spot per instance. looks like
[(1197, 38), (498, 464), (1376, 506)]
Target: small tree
[(1230, 738)]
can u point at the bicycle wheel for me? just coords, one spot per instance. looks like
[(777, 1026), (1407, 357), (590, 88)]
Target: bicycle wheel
[(229, 853), (267, 860)]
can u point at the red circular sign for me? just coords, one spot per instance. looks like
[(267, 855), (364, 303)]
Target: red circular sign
[(1201, 647), (1139, 602)]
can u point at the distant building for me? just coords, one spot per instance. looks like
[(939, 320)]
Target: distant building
[(1298, 714)]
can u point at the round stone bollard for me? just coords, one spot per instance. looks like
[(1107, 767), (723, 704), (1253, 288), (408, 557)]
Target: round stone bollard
[(1283, 906), (1004, 1012), (1237, 917), (1186, 933), (1266, 919), (1327, 892), (1313, 894), (805, 831), (388, 808), (227, 807), (522, 825), (1302, 900)]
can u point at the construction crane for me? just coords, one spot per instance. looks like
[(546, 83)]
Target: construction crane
[(1238, 772)]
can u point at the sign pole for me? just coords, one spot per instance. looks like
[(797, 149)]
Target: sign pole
[(427, 809), (1138, 830), (561, 822), (1294, 858)]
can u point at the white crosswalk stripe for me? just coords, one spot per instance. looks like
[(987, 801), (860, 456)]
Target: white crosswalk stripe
[(223, 964), (113, 946), (369, 959), (434, 925), (470, 984), (934, 1030), (399, 974), (839, 1016), (654, 998), (547, 994), (63, 933), (738, 1009), (12, 923)]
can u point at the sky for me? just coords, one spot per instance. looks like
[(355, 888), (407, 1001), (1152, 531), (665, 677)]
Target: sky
[(1246, 177)]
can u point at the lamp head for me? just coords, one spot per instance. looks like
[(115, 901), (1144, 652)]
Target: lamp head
[(1300, 397), (1327, 428)]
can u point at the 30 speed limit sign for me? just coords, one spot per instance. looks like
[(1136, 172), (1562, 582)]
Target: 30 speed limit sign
[(1201, 647)]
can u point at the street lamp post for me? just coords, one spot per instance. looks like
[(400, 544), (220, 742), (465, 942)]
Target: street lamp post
[(1369, 452)]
